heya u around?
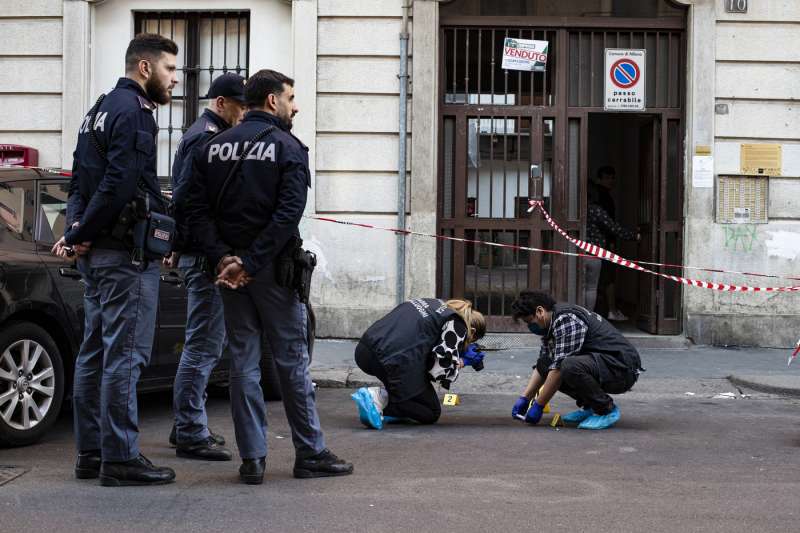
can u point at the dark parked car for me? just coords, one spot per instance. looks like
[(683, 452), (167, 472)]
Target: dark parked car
[(41, 312)]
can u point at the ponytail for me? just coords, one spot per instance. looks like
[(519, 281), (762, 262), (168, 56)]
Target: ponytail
[(474, 319)]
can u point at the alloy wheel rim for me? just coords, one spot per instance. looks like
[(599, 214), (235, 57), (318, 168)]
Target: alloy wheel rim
[(27, 384)]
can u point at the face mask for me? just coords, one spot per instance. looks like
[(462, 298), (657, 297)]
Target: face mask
[(534, 328)]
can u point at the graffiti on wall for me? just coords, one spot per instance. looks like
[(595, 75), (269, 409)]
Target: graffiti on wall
[(740, 237)]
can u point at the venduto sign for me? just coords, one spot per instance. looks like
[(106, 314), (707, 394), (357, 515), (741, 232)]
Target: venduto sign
[(524, 54)]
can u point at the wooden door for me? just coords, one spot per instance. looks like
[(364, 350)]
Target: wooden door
[(670, 226), (660, 218), (648, 212)]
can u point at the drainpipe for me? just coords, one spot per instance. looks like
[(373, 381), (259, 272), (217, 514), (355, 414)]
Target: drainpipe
[(401, 166)]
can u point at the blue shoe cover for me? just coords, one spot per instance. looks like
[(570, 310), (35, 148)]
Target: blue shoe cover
[(367, 411), (601, 421), (576, 417), (356, 396)]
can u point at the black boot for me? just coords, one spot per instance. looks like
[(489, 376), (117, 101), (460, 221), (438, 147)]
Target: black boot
[(173, 437), (139, 471), (206, 450), (88, 465), (252, 471), (324, 464)]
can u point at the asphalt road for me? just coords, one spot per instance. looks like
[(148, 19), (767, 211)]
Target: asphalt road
[(674, 463)]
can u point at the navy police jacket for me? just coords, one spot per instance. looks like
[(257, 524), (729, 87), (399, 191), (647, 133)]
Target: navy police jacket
[(263, 204), (204, 128), (101, 186), (407, 340)]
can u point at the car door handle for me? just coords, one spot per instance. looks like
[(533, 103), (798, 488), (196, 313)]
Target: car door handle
[(173, 278), (69, 272)]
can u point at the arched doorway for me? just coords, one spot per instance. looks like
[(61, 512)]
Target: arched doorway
[(498, 127)]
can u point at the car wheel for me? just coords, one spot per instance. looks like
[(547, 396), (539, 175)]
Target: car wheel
[(31, 383), (269, 374)]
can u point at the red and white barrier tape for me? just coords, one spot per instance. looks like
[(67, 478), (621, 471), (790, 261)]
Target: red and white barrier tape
[(593, 251), (614, 258), (794, 355), (718, 270), (446, 238), (54, 171)]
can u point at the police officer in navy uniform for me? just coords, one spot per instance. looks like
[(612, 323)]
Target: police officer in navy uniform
[(205, 323), (121, 295), (245, 223)]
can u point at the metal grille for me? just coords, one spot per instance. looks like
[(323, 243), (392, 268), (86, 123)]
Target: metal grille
[(474, 75), (664, 66), (508, 135), (210, 44), (562, 8), (498, 164), (494, 276)]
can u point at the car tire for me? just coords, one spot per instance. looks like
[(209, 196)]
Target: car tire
[(270, 384), (39, 390)]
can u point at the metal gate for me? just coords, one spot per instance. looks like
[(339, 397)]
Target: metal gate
[(497, 127)]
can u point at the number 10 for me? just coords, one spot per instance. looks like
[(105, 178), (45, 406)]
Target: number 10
[(737, 6)]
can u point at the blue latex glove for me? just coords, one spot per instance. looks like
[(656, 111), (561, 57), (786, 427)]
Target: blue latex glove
[(473, 357), (534, 413), (520, 407)]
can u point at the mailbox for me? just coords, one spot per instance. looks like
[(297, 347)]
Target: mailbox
[(16, 154)]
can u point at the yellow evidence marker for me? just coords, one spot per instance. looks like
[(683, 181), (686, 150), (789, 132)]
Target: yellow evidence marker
[(451, 399)]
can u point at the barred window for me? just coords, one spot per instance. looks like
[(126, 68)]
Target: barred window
[(210, 44)]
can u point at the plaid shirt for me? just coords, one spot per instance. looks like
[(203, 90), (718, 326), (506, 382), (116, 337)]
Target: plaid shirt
[(565, 338)]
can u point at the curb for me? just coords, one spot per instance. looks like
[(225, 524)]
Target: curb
[(761, 386), (640, 341), (353, 378), (347, 378)]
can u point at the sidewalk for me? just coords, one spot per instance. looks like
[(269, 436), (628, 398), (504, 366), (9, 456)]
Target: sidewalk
[(678, 371)]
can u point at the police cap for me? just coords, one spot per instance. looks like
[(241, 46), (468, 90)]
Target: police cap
[(229, 85)]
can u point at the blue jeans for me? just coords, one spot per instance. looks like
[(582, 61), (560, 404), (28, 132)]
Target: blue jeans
[(202, 350), (120, 305), (262, 307)]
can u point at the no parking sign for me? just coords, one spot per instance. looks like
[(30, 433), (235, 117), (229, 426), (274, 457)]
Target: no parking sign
[(624, 80)]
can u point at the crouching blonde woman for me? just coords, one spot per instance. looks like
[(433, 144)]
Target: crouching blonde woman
[(419, 343)]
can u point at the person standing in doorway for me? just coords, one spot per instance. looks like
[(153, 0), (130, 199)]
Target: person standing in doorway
[(205, 323), (603, 230)]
